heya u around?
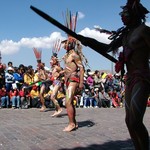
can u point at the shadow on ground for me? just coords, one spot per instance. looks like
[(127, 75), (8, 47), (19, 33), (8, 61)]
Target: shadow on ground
[(111, 145)]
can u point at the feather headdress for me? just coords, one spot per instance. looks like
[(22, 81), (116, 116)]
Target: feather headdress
[(70, 21), (78, 50), (38, 54), (56, 48)]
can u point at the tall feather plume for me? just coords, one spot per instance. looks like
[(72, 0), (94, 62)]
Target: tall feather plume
[(38, 54), (70, 20), (75, 22), (56, 47)]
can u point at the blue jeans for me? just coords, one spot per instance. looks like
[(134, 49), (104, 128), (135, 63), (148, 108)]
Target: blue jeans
[(95, 103), (5, 101), (89, 102), (15, 101), (92, 101), (85, 101), (8, 86)]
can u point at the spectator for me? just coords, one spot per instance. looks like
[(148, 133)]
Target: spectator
[(97, 80), (24, 98), (18, 79), (108, 85), (60, 96), (28, 76), (90, 80), (92, 98), (2, 75), (9, 78), (10, 64), (35, 97), (15, 98), (98, 102), (115, 99), (105, 100), (22, 69), (4, 97), (85, 96)]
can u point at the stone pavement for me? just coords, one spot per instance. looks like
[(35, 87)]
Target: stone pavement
[(99, 129)]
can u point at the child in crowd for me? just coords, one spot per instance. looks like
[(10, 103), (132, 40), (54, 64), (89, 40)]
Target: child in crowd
[(35, 97)]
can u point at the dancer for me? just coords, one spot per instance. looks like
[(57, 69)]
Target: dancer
[(135, 38), (42, 76), (56, 78), (73, 74), (73, 71)]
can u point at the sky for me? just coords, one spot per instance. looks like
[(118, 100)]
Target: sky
[(21, 29)]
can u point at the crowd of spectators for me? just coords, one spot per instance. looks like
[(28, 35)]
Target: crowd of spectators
[(18, 89)]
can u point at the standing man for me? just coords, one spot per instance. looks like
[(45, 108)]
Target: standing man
[(73, 74), (135, 39)]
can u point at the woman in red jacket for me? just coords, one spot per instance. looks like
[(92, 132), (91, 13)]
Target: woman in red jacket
[(15, 98)]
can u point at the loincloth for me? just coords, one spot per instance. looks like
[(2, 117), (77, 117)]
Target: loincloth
[(57, 82), (74, 78)]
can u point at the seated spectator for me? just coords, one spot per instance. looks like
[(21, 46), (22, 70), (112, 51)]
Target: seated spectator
[(60, 97), (24, 98), (90, 80), (9, 78), (35, 97), (22, 69), (4, 97), (97, 99), (2, 75), (85, 96), (18, 79), (115, 99), (92, 100), (105, 99), (88, 98), (98, 81), (28, 76), (14, 98), (108, 85)]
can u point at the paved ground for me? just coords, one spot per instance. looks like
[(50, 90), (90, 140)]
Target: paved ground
[(99, 129)]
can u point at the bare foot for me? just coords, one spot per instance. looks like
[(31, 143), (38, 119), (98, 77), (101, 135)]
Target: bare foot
[(56, 113), (43, 109), (77, 125), (70, 128)]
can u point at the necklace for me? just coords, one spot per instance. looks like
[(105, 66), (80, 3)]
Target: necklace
[(68, 54)]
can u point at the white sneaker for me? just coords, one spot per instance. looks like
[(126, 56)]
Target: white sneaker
[(84, 107)]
